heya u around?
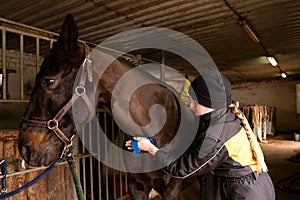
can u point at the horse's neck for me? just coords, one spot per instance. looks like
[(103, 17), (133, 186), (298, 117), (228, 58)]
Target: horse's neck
[(108, 71)]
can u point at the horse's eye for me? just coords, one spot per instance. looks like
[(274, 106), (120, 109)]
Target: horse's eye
[(48, 82)]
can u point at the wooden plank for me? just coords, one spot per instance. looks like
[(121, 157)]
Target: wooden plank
[(19, 181), (55, 184)]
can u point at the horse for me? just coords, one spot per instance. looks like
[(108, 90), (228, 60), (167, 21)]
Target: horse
[(48, 122)]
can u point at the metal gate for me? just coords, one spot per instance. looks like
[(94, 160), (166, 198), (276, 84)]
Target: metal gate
[(98, 180)]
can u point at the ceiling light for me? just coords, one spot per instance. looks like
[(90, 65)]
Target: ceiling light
[(249, 30), (272, 60), (283, 74)]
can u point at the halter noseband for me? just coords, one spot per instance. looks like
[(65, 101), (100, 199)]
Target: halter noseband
[(80, 92)]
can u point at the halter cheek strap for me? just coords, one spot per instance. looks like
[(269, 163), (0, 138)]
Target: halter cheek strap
[(79, 92)]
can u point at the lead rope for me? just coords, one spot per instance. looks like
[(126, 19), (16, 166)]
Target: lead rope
[(76, 178), (5, 195), (258, 154), (68, 153)]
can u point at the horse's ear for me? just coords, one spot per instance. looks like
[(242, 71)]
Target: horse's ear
[(69, 34)]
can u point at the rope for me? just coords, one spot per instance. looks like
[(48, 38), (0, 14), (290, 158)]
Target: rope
[(70, 159), (257, 152), (29, 184), (76, 178)]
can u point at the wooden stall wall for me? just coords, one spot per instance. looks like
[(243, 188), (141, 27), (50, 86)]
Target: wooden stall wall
[(57, 185)]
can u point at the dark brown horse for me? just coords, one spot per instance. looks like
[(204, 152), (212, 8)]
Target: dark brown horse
[(48, 123)]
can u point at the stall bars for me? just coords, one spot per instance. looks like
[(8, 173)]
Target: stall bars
[(40, 35), (8, 26), (99, 181)]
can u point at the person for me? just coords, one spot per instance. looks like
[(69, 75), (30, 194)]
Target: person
[(231, 152)]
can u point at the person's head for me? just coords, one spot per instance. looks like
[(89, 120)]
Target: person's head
[(209, 91)]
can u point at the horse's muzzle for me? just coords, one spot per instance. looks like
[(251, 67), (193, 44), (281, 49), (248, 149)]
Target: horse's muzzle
[(39, 148)]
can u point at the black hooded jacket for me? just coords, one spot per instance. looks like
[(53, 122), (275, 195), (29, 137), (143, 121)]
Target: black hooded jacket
[(221, 147)]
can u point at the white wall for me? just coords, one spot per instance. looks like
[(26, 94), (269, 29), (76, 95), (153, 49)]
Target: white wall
[(278, 94)]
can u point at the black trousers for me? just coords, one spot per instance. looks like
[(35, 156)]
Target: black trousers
[(250, 187)]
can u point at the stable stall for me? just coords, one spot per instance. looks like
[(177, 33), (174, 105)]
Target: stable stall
[(254, 43), (22, 51)]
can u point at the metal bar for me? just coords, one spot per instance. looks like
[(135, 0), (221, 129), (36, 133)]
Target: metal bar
[(14, 100), (131, 56), (99, 181), (26, 26), (37, 47), (48, 33), (77, 161), (99, 155), (21, 29), (106, 168), (126, 183), (12, 30), (4, 64), (121, 178), (91, 178), (83, 165), (114, 184), (91, 162), (22, 65), (77, 158), (121, 184), (114, 171)]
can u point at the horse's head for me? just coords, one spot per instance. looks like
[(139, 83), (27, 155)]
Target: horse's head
[(38, 144)]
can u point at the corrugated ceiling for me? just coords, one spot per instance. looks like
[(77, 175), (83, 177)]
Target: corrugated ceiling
[(212, 23)]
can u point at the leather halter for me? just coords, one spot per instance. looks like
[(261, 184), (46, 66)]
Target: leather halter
[(79, 92)]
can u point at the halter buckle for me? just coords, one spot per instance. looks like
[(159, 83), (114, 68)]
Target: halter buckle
[(52, 124), (80, 90)]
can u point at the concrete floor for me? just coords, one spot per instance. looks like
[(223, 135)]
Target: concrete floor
[(277, 150)]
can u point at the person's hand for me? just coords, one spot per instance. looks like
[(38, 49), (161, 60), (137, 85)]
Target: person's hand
[(143, 144)]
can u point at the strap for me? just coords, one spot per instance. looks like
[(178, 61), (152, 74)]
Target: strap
[(135, 147), (76, 178), (35, 122)]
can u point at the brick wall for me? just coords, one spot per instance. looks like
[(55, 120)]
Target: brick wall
[(29, 70), (11, 113)]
